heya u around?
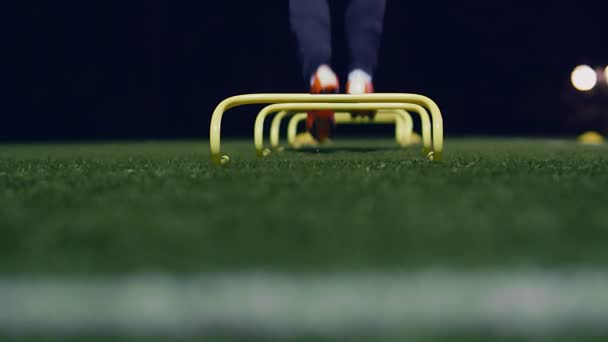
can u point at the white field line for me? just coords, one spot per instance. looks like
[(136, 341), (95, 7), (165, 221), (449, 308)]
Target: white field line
[(515, 302)]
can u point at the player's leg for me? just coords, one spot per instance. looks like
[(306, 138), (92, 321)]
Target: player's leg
[(364, 22), (311, 23)]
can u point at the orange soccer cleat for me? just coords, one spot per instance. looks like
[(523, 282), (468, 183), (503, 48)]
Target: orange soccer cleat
[(321, 123)]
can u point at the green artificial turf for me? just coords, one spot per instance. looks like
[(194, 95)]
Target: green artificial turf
[(121, 207)]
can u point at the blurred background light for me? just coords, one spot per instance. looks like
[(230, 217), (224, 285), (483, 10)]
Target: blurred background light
[(583, 78), (606, 75)]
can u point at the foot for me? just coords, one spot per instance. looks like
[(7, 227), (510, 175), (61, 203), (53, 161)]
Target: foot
[(321, 123), (360, 82)]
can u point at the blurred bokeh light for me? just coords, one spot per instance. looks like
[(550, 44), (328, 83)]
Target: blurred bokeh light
[(584, 78)]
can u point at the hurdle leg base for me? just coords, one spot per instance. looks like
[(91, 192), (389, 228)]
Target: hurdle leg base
[(218, 159), (262, 153)]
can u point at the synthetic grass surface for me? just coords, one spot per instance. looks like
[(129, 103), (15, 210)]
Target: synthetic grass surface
[(122, 207)]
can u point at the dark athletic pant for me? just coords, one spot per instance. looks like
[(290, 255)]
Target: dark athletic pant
[(311, 22)]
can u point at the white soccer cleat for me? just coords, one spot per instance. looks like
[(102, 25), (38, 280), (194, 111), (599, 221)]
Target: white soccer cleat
[(360, 82)]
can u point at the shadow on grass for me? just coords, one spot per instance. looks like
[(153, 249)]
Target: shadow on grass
[(330, 150)]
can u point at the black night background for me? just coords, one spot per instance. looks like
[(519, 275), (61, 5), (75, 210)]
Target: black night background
[(156, 69)]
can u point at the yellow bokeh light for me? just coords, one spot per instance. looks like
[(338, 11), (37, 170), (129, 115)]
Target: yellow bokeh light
[(583, 78)]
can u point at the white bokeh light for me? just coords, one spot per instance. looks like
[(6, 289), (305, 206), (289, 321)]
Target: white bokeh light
[(606, 75), (583, 78)]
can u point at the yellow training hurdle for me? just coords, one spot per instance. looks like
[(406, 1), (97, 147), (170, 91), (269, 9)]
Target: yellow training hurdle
[(424, 120), (404, 126), (339, 102), (402, 120), (259, 122)]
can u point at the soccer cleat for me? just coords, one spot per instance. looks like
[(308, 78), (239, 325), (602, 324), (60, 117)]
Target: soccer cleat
[(360, 82), (321, 123)]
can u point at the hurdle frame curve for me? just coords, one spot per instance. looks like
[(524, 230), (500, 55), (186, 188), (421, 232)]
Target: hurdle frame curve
[(425, 122), (348, 106), (261, 117), (404, 129), (404, 124)]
